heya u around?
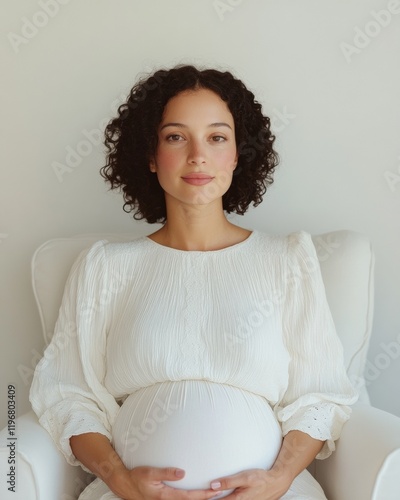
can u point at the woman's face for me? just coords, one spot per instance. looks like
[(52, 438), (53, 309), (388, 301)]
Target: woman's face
[(196, 152)]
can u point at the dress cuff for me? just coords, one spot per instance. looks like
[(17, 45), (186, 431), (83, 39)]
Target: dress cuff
[(323, 422), (62, 428)]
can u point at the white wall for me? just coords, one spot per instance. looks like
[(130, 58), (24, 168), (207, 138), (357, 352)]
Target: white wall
[(337, 122)]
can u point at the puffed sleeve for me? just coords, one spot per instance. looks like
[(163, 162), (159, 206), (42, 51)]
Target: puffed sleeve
[(67, 391), (318, 393)]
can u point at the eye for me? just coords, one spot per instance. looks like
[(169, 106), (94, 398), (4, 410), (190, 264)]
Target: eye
[(218, 138), (174, 138)]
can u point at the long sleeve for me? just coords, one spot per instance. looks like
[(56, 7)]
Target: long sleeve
[(67, 391), (319, 390)]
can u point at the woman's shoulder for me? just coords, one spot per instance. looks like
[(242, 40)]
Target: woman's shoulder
[(105, 251), (283, 244)]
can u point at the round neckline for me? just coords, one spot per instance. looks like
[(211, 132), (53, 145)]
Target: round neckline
[(203, 252)]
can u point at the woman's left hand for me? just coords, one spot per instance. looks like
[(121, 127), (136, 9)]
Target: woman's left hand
[(254, 484)]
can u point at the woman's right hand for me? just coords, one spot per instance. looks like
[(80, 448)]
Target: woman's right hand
[(95, 452), (147, 483)]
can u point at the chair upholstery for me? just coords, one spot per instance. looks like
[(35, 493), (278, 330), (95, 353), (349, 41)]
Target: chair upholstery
[(366, 464)]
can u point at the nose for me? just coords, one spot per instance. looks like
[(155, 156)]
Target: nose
[(196, 153)]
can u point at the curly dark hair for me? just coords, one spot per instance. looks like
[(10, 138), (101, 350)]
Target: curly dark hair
[(131, 141)]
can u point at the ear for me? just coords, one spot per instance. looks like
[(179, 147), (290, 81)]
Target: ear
[(235, 161), (152, 165)]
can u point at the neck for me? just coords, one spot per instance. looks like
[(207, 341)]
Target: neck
[(201, 228)]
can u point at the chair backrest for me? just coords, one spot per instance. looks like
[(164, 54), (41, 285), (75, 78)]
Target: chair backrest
[(347, 265)]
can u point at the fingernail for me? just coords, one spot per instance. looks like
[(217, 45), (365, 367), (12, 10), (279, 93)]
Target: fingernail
[(215, 485), (179, 473)]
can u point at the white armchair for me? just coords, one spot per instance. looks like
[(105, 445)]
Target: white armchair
[(366, 464)]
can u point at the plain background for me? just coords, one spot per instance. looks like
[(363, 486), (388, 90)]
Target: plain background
[(335, 111)]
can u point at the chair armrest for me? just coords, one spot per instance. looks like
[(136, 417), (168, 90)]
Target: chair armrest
[(41, 470), (366, 463)]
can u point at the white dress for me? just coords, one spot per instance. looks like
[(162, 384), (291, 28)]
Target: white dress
[(198, 360)]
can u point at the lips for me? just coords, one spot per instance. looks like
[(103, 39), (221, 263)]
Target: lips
[(198, 179)]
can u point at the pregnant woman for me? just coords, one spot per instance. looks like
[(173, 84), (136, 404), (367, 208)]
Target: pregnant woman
[(200, 361)]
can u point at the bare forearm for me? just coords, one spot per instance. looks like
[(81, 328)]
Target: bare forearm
[(297, 452), (95, 452)]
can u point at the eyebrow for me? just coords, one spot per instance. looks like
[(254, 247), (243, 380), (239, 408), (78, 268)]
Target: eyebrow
[(182, 125)]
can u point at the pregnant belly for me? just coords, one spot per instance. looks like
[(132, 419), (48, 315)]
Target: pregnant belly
[(209, 430)]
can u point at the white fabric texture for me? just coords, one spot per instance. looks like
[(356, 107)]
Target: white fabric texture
[(253, 316)]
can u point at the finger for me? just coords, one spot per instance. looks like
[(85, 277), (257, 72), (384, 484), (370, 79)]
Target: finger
[(171, 493), (155, 477), (231, 482), (157, 474), (235, 495)]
